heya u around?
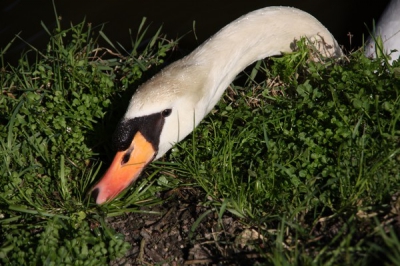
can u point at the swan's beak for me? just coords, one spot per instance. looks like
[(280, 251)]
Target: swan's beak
[(125, 169)]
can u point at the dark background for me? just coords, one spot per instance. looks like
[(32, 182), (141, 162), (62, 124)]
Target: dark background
[(176, 17)]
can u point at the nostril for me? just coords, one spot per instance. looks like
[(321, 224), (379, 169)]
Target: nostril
[(95, 193), (126, 157)]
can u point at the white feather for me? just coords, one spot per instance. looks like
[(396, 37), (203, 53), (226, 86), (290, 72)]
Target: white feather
[(388, 28), (193, 85)]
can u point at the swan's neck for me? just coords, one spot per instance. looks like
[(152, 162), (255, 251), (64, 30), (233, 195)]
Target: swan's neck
[(192, 86), (252, 37)]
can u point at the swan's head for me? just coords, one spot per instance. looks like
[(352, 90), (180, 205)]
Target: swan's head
[(161, 113)]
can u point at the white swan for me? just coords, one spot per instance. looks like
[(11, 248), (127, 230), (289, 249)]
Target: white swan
[(169, 106), (388, 28)]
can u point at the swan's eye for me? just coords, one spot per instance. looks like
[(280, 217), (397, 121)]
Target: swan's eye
[(166, 112)]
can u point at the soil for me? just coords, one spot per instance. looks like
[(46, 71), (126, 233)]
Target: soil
[(188, 233), (168, 239)]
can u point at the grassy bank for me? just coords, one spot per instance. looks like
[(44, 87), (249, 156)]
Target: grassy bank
[(305, 153), (58, 110)]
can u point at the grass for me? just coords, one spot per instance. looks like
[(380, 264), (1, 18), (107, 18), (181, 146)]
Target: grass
[(56, 106), (313, 158), (306, 153)]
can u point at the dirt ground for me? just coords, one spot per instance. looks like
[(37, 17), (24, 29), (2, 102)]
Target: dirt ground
[(167, 239)]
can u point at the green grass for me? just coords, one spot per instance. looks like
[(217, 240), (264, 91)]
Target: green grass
[(56, 110), (314, 158), (306, 153)]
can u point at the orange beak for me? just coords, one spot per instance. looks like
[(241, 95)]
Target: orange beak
[(124, 169)]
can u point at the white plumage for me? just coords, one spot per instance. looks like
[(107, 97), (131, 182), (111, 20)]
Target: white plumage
[(193, 85), (388, 28)]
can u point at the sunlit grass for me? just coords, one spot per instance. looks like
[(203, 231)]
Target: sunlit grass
[(314, 153)]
